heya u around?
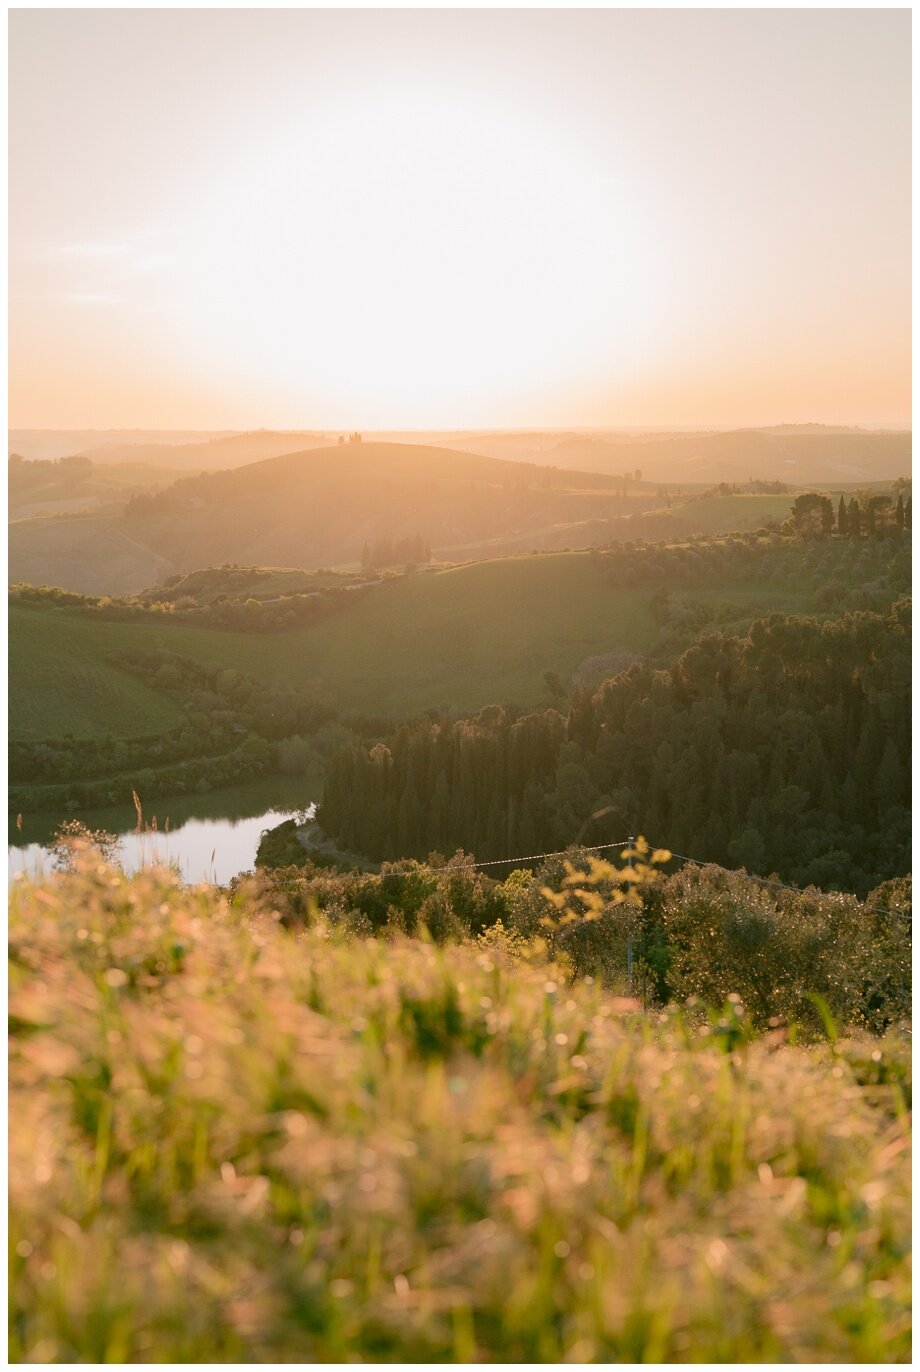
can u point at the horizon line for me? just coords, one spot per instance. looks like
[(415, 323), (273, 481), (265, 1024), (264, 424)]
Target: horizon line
[(321, 430)]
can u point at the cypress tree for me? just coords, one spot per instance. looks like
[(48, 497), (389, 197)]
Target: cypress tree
[(854, 519), (907, 514), (842, 518), (827, 517), (899, 511)]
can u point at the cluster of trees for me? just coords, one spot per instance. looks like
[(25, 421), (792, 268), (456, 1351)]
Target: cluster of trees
[(753, 486), (45, 597), (251, 757), (169, 500), (701, 932), (396, 552), (786, 750), (876, 516), (289, 610), (862, 574), (247, 613)]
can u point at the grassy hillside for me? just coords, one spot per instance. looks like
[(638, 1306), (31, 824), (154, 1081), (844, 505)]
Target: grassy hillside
[(235, 1143), (462, 637), (61, 683), (207, 584), (312, 509), (91, 553), (321, 508), (722, 514)]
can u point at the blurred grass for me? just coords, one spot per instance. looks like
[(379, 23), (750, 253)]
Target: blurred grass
[(234, 1142)]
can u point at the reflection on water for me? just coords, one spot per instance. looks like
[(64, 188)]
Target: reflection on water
[(212, 850)]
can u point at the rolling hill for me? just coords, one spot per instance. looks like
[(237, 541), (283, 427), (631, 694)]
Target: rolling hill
[(313, 508), (218, 453), (52, 444), (462, 637), (39, 488), (799, 453), (804, 454), (82, 552)]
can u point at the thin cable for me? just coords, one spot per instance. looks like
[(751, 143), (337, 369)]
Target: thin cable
[(561, 852), (781, 885), (681, 857)]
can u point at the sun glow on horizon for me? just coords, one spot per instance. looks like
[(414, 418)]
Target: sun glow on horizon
[(380, 265), (419, 220)]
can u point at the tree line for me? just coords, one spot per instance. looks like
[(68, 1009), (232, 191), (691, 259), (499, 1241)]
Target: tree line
[(395, 552), (813, 514), (704, 933), (235, 728), (784, 750), (243, 613)]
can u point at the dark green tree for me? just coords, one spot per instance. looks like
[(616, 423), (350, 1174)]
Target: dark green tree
[(842, 518), (812, 514), (854, 519)]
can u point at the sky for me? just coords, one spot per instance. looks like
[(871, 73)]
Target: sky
[(459, 219)]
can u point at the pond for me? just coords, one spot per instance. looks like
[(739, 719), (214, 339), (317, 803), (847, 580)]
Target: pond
[(211, 837)]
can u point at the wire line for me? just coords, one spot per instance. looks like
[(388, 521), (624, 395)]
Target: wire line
[(681, 857), (561, 852)]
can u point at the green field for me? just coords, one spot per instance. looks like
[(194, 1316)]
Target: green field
[(61, 684), (44, 551), (462, 637), (723, 514)]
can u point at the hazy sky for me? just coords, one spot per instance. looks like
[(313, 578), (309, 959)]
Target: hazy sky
[(242, 218)]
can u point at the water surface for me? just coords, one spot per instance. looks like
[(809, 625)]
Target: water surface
[(209, 838)]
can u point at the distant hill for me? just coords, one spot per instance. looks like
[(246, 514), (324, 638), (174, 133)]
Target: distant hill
[(320, 506), (802, 454), (41, 486), (215, 454), (313, 508), (49, 444)]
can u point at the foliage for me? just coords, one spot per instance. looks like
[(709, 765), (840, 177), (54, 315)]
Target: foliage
[(783, 750), (705, 935), (393, 552), (235, 728), (232, 1142), (460, 638), (246, 599), (595, 891), (280, 847), (728, 936), (72, 839)]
